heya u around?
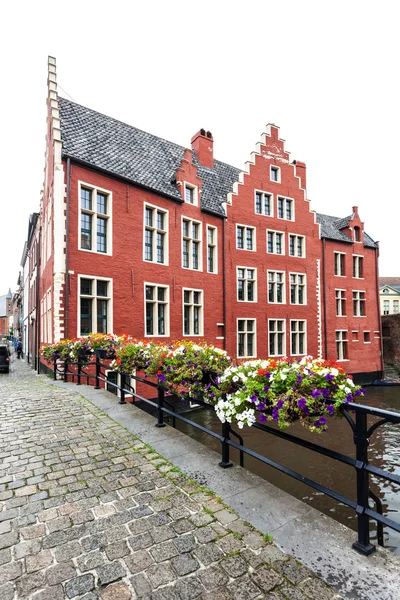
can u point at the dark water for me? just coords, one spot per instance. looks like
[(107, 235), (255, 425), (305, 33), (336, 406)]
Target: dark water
[(384, 452)]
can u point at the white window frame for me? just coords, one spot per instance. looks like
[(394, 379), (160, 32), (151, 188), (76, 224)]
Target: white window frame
[(285, 201), (343, 345), (246, 227), (246, 332), (395, 307), (194, 189), (297, 284), (356, 266), (337, 262), (277, 170), (298, 333), (297, 237), (156, 209), (246, 279), (214, 247), (359, 300), (155, 303), (190, 240), (340, 298), (271, 201), (95, 215), (386, 307), (275, 284), (275, 332), (275, 233), (94, 297), (201, 319)]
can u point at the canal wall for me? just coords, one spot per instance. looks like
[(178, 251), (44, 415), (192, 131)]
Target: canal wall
[(316, 540)]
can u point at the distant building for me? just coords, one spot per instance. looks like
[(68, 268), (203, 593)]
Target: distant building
[(5, 314), (389, 294), (140, 235)]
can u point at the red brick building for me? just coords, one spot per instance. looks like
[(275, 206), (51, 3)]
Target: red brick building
[(140, 235)]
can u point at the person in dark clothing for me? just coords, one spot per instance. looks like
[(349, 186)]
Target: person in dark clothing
[(19, 350)]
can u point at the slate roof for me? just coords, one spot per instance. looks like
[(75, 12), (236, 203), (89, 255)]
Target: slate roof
[(390, 281), (140, 157), (331, 228)]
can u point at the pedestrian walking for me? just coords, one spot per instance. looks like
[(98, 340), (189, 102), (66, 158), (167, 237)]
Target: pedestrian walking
[(19, 349)]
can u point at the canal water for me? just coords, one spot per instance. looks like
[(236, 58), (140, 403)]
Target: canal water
[(384, 452)]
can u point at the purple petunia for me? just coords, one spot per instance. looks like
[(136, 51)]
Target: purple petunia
[(299, 379), (253, 398), (279, 404), (275, 414), (262, 418), (266, 388), (329, 378), (349, 398), (325, 393), (316, 393), (261, 406), (162, 378), (302, 403), (331, 409)]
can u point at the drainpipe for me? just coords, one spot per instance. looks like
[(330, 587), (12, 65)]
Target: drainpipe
[(378, 306), (224, 279), (324, 297), (67, 248), (38, 319)]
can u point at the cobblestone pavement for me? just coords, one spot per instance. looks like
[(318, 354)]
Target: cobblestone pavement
[(88, 511)]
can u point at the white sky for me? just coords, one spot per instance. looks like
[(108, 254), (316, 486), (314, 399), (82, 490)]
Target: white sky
[(326, 74)]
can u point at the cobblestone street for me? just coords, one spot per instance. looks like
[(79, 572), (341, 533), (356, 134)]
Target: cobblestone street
[(89, 511)]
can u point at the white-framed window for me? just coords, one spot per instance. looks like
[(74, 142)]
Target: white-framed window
[(367, 337), (245, 238), (263, 203), (46, 332), (395, 306), (190, 193), (359, 303), (95, 209), (94, 305), (191, 245), (275, 174), (340, 296), (297, 288), (155, 235), (339, 259), (386, 308), (275, 242), (341, 345), (192, 312), (156, 298), (212, 249), (298, 338), (358, 266), (246, 338), (285, 208), (276, 337), (246, 284), (276, 287), (297, 245)]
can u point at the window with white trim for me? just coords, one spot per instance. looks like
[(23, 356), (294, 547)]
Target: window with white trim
[(190, 194), (285, 208), (367, 337), (246, 338), (297, 288), (263, 204), (297, 245), (212, 259), (341, 345), (298, 338), (358, 303), (358, 266), (156, 309), (386, 308), (275, 242), (395, 306), (95, 219), (191, 245), (94, 309), (276, 337), (340, 296), (155, 235), (275, 174), (245, 238), (339, 259), (276, 287), (192, 312), (246, 284)]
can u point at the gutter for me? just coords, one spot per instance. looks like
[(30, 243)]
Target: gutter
[(38, 315), (67, 247), (378, 306), (224, 280), (324, 297)]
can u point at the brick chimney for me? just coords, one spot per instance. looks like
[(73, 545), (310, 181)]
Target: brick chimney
[(202, 144), (355, 210)]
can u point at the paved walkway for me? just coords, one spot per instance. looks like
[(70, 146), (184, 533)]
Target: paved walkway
[(88, 511)]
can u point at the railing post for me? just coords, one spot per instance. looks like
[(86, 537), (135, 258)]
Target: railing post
[(65, 370), (160, 402), (98, 364), (79, 371), (225, 462), (55, 370), (122, 397), (362, 545)]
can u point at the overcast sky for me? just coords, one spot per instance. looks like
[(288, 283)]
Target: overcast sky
[(326, 74)]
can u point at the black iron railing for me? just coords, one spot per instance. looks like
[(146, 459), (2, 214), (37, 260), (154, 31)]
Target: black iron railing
[(355, 414)]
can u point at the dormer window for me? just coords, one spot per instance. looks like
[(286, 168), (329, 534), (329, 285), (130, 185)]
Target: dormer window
[(385, 291), (190, 194), (357, 235), (275, 174)]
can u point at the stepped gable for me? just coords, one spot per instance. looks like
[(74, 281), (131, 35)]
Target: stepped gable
[(135, 155), (331, 228)]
